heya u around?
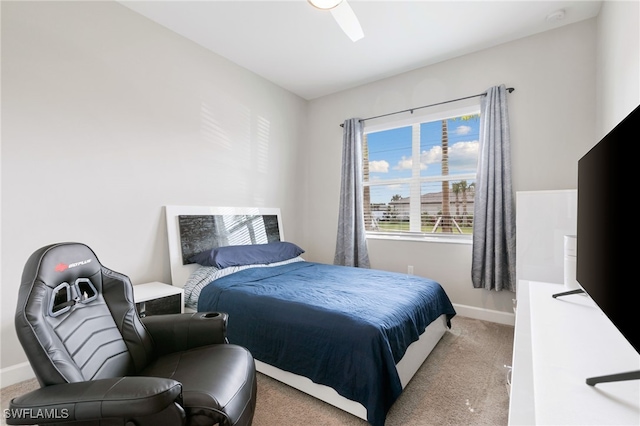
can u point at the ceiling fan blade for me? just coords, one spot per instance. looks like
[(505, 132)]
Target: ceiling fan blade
[(348, 21)]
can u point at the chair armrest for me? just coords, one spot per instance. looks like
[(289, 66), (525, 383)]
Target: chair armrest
[(179, 332), (119, 397)]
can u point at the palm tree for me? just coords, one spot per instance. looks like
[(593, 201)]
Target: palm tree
[(464, 187), (446, 207), (471, 188), (456, 187)]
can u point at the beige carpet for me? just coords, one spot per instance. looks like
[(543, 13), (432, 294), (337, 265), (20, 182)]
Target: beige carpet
[(463, 382)]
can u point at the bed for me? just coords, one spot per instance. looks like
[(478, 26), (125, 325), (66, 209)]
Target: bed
[(351, 337)]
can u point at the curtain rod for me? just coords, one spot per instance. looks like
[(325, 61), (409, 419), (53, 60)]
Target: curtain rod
[(509, 89)]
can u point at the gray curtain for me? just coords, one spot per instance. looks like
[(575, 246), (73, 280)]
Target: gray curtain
[(494, 224), (351, 245)]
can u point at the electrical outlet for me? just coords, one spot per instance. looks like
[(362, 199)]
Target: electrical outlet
[(410, 269)]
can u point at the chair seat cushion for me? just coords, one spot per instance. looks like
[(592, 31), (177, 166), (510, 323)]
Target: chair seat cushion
[(216, 377)]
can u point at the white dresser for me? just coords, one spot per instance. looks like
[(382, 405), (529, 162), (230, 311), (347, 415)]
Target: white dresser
[(558, 344)]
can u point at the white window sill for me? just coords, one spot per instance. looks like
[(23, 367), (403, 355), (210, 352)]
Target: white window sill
[(466, 239)]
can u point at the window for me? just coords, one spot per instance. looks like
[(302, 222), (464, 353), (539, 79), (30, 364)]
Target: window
[(419, 177)]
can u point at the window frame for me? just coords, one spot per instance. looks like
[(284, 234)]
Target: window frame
[(429, 116)]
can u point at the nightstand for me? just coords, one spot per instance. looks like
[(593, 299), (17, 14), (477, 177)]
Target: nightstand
[(156, 298)]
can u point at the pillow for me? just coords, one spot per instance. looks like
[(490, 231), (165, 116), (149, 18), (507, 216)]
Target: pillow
[(224, 257)]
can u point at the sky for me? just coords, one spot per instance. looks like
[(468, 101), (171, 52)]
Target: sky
[(390, 155)]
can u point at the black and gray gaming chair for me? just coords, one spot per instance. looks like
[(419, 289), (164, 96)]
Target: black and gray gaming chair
[(98, 363)]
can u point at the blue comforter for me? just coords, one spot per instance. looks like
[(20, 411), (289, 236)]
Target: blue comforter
[(339, 326)]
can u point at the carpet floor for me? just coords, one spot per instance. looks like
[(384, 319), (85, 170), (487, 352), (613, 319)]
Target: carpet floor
[(463, 382)]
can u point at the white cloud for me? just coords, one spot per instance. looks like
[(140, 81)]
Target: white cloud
[(464, 155), (381, 166), (407, 164), (434, 155), (463, 130), (404, 164)]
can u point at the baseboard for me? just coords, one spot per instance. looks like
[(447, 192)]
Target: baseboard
[(500, 317), (15, 374)]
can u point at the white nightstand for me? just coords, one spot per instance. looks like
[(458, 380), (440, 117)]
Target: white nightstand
[(156, 298)]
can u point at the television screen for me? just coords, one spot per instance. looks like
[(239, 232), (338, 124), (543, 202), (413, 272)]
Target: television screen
[(605, 267)]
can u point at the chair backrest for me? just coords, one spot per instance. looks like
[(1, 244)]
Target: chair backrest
[(76, 319)]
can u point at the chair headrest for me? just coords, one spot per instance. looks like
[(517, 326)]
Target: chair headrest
[(62, 262)]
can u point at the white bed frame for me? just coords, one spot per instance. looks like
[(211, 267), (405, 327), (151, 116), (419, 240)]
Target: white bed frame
[(415, 355)]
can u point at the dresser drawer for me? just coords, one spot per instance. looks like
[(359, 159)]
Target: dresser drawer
[(160, 306)]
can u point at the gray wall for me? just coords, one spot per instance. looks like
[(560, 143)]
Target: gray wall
[(106, 117)]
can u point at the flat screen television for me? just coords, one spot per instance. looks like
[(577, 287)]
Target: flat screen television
[(605, 263)]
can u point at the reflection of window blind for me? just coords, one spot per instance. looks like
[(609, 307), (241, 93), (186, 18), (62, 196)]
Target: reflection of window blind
[(205, 232), (243, 230)]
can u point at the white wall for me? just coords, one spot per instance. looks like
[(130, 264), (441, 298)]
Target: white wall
[(618, 63), (107, 117), (552, 114), (573, 84)]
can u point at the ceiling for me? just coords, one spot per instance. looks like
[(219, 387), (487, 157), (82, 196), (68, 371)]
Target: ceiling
[(303, 50)]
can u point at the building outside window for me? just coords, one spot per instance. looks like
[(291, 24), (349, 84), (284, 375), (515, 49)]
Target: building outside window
[(420, 175)]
